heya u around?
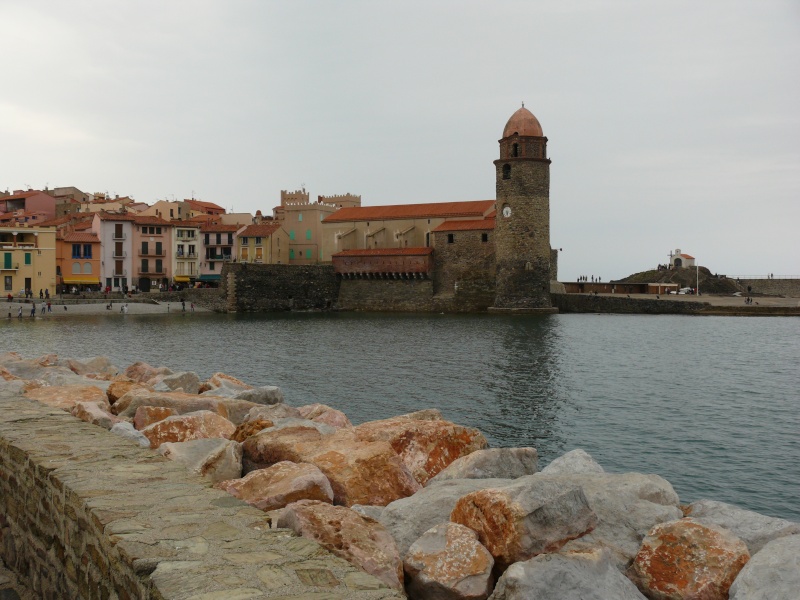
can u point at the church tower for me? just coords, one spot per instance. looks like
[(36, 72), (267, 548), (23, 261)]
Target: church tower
[(522, 229)]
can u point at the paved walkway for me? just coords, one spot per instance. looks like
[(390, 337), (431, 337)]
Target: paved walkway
[(96, 308)]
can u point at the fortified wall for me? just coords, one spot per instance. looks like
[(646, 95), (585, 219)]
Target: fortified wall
[(773, 287), (274, 288), (85, 514)]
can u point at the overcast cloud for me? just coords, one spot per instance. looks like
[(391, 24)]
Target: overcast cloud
[(671, 124)]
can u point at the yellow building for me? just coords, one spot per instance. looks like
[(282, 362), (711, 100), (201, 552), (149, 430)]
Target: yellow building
[(28, 260), (266, 243)]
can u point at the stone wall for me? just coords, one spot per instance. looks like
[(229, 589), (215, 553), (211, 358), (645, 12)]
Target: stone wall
[(271, 288), (587, 303), (773, 287), (393, 295), (85, 514), (466, 256)]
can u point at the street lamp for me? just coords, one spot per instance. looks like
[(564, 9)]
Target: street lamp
[(697, 289)]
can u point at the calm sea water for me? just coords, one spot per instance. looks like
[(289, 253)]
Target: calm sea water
[(711, 404)]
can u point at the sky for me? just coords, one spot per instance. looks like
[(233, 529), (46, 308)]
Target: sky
[(671, 124)]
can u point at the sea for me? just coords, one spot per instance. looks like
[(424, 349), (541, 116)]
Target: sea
[(712, 404)]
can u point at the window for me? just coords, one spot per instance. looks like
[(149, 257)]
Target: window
[(76, 267), (159, 267), (291, 234), (87, 268), (506, 171), (145, 265), (158, 230), (308, 252), (171, 212), (484, 237), (259, 253), (258, 241), (243, 241), (244, 254), (180, 249), (291, 253), (191, 250), (145, 248), (58, 271), (427, 238), (219, 238), (159, 249), (300, 217), (206, 240), (230, 239), (515, 150), (76, 250), (9, 283), (7, 260), (451, 238), (87, 251), (308, 234), (27, 258), (212, 266)]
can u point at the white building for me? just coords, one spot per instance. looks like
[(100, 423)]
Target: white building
[(677, 260)]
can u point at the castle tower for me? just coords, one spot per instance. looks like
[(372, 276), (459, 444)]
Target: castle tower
[(522, 229)]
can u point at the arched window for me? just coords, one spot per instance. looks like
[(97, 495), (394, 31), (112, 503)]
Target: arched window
[(515, 150), (76, 267), (506, 171), (87, 268)]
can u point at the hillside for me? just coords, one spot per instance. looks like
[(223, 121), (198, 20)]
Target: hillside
[(687, 277)]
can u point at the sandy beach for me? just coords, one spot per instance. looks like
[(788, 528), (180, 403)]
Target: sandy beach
[(96, 308)]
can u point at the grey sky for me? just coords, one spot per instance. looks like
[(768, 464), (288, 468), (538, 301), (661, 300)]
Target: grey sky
[(670, 124)]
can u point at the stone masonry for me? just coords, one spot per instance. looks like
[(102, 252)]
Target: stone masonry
[(85, 514)]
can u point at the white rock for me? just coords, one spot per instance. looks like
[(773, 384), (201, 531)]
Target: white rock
[(267, 394), (573, 462), (214, 458), (772, 574), (129, 432), (491, 463)]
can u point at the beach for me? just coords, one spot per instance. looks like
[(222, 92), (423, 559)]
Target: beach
[(96, 308)]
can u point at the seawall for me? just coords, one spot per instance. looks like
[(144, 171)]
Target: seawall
[(773, 287), (85, 514)]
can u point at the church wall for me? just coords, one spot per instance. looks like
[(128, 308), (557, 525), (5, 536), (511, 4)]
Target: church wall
[(392, 295), (273, 288), (467, 256)]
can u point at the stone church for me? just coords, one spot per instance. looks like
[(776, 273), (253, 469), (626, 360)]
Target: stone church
[(455, 256)]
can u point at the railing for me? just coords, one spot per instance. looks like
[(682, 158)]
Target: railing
[(122, 254), (153, 272), (14, 268), (763, 276), (118, 236), (153, 253), (123, 273)]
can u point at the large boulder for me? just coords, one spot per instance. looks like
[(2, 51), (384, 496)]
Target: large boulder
[(574, 462), (321, 413), (99, 365), (272, 412), (491, 463), (186, 381), (684, 560), (627, 506), (147, 415), (752, 528), (359, 472), (527, 517), (141, 372), (118, 387), (772, 574), (448, 563), (67, 397), (589, 575), (349, 535), (426, 447), (220, 384), (127, 431), (408, 518), (281, 484), (92, 413), (216, 459), (190, 426), (248, 428), (266, 394)]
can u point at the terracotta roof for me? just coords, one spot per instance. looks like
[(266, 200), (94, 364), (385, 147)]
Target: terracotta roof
[(386, 252), (77, 236), (204, 205), (203, 219), (109, 216), (260, 230), (148, 220), (474, 208), (218, 228), (686, 256), (69, 218), (466, 225), (523, 122), (27, 194)]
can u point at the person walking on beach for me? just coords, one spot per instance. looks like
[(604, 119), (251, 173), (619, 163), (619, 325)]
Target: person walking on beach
[(49, 307), (192, 306), (44, 307), (19, 314), (183, 305), (33, 310)]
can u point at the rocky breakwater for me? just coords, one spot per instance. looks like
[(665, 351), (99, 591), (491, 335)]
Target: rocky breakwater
[(422, 503)]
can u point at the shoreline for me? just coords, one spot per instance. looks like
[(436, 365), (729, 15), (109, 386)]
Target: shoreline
[(90, 308)]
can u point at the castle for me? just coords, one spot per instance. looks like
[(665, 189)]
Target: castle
[(468, 256)]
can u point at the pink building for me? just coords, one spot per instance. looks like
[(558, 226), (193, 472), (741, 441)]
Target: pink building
[(152, 252), (31, 202)]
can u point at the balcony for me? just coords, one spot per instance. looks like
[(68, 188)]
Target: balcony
[(153, 272), (122, 273), (222, 257), (153, 253), (122, 254), (118, 236), (14, 267)]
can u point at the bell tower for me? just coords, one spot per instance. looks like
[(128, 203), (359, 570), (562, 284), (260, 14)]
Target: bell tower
[(522, 229)]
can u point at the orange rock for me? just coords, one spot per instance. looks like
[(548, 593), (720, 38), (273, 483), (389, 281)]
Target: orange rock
[(281, 484), (218, 380), (321, 413), (191, 426), (141, 372), (525, 518), (7, 375), (92, 413), (448, 561), (425, 446), (684, 560), (248, 428), (66, 397), (147, 415), (360, 472), (357, 539), (118, 388)]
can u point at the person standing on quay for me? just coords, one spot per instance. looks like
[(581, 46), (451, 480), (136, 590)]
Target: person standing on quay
[(33, 310), (19, 314)]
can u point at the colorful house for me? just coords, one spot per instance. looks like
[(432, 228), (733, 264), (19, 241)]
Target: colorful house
[(28, 259), (152, 252)]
